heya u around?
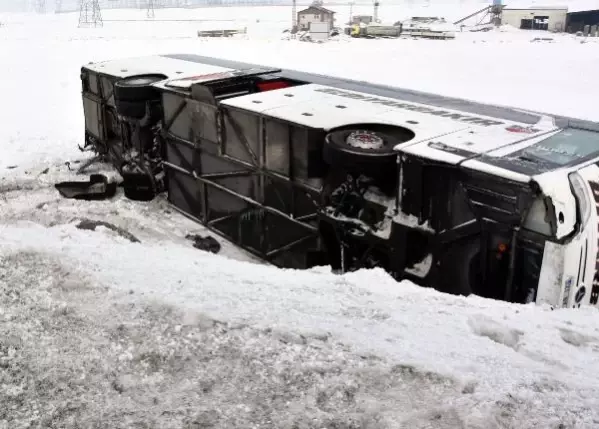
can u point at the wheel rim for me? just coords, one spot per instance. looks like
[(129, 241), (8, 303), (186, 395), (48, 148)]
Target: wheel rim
[(365, 140), (142, 80)]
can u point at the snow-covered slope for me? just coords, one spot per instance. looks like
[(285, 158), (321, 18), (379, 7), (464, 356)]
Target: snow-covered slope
[(123, 324), (97, 331), (108, 326)]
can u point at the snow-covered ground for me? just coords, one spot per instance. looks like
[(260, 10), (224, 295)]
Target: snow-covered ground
[(98, 331)]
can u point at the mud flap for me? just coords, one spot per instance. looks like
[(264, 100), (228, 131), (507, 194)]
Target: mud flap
[(97, 188)]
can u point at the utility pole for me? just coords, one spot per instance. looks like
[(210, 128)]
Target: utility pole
[(58, 6), (375, 17), (90, 14), (294, 17)]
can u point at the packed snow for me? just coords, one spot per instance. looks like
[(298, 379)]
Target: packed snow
[(132, 327)]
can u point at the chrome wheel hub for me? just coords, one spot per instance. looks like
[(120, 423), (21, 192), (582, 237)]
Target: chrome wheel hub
[(365, 140)]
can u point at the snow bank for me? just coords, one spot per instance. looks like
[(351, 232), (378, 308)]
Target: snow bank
[(131, 362)]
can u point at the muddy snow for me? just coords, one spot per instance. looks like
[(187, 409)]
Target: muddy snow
[(139, 363)]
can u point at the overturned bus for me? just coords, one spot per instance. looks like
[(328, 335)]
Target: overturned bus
[(306, 170)]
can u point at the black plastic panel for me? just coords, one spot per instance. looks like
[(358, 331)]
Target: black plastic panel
[(275, 237), (299, 257), (498, 199), (93, 117), (234, 214), (280, 232), (180, 154), (204, 122), (246, 185), (236, 219), (250, 198), (277, 140), (241, 136), (209, 162), (184, 192), (177, 117), (93, 80), (292, 200), (107, 89)]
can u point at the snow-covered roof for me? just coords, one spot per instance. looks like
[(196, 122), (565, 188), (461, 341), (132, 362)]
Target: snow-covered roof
[(318, 8), (572, 6), (537, 7)]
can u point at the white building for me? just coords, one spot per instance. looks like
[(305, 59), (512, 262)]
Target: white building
[(543, 18), (315, 14)]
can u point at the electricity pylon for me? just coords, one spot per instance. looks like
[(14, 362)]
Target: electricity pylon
[(90, 14)]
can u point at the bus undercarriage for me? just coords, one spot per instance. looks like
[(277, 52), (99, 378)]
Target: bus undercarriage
[(299, 196)]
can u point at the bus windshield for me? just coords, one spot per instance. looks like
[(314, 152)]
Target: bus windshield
[(567, 147)]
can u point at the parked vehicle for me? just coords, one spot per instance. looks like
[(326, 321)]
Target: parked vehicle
[(374, 30), (429, 28)]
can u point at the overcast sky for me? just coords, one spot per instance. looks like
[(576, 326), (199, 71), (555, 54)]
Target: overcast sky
[(28, 5)]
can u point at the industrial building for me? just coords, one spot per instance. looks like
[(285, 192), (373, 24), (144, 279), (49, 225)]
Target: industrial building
[(578, 15), (583, 14), (315, 14), (545, 18)]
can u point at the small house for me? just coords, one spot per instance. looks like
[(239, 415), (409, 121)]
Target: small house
[(314, 13)]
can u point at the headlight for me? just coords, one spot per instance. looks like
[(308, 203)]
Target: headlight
[(537, 219), (581, 194)]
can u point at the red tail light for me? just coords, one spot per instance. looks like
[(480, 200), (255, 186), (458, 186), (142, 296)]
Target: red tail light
[(275, 84)]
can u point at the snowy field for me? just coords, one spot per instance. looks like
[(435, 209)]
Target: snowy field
[(97, 331)]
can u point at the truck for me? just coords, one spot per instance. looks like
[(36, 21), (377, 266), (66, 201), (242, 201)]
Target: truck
[(428, 28), (375, 30), (306, 170)]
